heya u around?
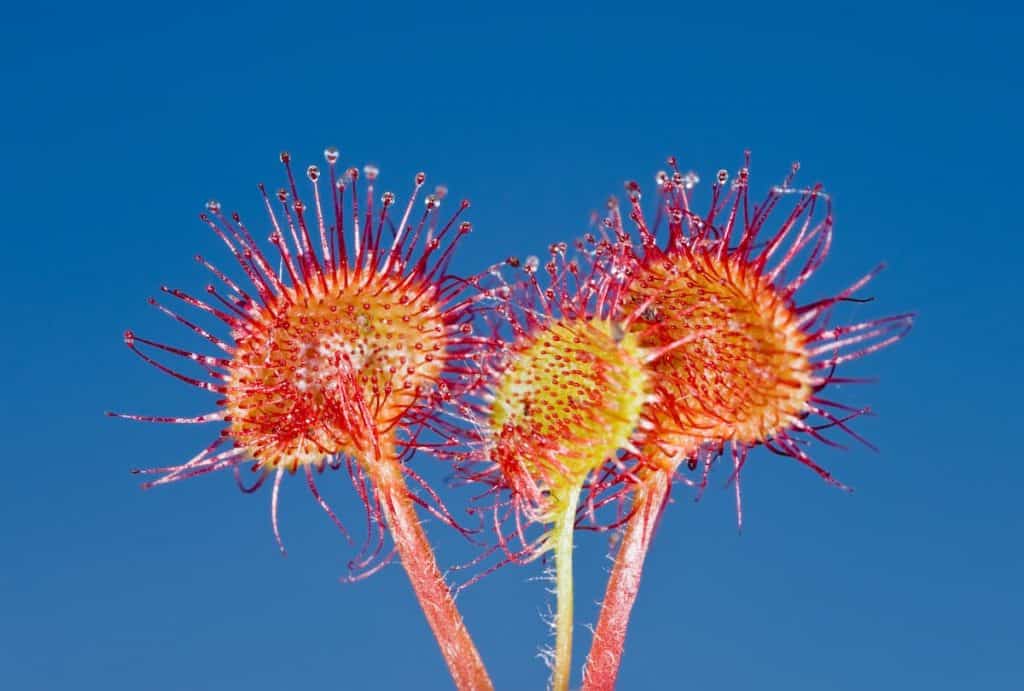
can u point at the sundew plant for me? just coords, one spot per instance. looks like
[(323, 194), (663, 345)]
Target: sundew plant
[(567, 393)]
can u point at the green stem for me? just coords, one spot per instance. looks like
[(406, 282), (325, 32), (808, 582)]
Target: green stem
[(562, 536)]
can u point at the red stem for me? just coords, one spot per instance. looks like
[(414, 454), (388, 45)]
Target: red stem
[(417, 557), (623, 585)]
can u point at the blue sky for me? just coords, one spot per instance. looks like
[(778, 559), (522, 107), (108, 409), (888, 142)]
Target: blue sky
[(120, 121)]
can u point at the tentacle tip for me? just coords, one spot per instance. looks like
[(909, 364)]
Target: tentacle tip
[(845, 488)]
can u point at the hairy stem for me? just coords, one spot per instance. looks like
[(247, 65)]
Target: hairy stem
[(417, 557), (562, 537), (605, 656)]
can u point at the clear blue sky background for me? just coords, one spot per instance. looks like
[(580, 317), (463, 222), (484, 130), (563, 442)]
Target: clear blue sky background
[(118, 122)]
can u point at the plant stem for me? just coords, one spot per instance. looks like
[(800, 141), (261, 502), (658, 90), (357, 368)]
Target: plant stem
[(417, 557), (562, 535), (605, 657)]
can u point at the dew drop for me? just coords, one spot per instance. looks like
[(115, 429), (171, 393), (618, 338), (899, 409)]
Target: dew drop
[(129, 336), (371, 172), (282, 195), (285, 157), (432, 201), (421, 178), (388, 198), (661, 178), (213, 206), (531, 264), (331, 154), (465, 227), (723, 176), (313, 173)]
